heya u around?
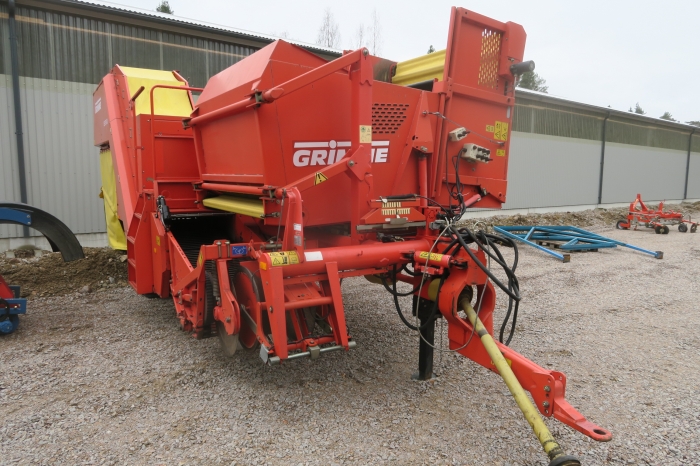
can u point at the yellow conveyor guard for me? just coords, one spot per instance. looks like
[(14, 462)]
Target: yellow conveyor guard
[(115, 231), (168, 102), (423, 68), (237, 205)]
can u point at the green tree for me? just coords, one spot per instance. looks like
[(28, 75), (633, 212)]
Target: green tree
[(667, 116), (431, 49), (638, 110), (533, 81), (164, 7), (693, 122)]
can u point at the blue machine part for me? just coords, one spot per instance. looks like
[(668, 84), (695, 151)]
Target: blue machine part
[(16, 216), (567, 238), (9, 311), (9, 324), (10, 308)]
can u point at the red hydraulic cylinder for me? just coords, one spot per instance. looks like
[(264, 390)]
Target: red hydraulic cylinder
[(364, 256)]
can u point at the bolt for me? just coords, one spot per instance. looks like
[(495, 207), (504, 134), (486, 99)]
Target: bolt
[(423, 149), (228, 319), (547, 389), (270, 309), (365, 52), (351, 163), (546, 404)]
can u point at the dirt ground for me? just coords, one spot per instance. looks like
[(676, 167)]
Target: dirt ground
[(106, 377)]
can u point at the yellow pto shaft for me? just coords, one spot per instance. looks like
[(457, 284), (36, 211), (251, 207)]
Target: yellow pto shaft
[(556, 455)]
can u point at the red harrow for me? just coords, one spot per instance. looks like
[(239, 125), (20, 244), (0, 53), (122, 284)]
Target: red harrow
[(659, 219)]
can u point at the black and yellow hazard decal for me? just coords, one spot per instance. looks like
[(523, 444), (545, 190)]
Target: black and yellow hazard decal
[(501, 152), (433, 256), (319, 178), (284, 258), (490, 129), (500, 132)]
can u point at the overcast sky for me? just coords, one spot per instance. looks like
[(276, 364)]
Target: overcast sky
[(614, 52)]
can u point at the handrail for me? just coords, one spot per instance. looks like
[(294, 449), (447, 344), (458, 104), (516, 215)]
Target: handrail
[(286, 88), (166, 86)]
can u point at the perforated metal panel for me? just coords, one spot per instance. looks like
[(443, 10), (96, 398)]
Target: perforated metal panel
[(490, 50), (387, 117)]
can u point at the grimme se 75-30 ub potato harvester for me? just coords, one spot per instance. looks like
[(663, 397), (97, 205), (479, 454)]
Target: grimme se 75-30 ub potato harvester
[(290, 173)]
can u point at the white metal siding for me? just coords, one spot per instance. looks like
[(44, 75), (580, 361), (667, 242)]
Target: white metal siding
[(548, 171), (656, 174), (694, 176), (9, 182), (63, 173)]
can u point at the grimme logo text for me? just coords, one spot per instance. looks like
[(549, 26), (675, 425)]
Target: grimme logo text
[(328, 153)]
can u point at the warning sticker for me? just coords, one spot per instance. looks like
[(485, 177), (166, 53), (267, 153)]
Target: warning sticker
[(365, 134), (158, 240), (433, 256), (489, 129), (501, 152), (500, 132), (319, 178), (284, 258)]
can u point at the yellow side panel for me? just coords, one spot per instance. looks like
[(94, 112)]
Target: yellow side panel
[(423, 68), (238, 205), (115, 232), (169, 102)]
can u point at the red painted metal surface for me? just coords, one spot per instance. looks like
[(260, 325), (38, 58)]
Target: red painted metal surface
[(351, 171)]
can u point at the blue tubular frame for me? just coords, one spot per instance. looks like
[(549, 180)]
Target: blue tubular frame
[(575, 239)]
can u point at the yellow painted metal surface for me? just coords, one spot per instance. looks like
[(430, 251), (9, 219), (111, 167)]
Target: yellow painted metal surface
[(423, 68), (169, 102), (115, 231), (238, 205)]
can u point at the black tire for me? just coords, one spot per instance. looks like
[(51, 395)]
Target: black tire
[(694, 228), (658, 229), (620, 225), (683, 228), (665, 230)]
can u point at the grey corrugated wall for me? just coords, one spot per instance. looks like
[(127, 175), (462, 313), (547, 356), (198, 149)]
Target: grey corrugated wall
[(657, 174), (63, 173), (62, 58), (548, 171), (694, 176)]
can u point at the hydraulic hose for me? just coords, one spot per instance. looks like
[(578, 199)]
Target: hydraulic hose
[(556, 455)]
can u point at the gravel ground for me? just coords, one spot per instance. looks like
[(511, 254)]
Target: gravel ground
[(106, 377)]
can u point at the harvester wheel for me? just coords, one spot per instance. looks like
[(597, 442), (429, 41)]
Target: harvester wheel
[(658, 229), (666, 230), (248, 291), (621, 225), (694, 228), (683, 228)]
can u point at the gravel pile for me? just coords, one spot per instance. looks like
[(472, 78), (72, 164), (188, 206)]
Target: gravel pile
[(107, 378)]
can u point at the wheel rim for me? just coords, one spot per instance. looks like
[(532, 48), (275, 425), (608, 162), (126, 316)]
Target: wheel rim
[(248, 291)]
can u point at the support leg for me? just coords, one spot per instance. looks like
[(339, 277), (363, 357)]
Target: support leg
[(427, 341)]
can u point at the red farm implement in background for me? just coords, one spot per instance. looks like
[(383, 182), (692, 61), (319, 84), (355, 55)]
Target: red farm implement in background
[(291, 173), (659, 220)]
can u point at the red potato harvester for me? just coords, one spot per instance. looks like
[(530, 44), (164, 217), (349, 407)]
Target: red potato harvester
[(291, 173), (659, 220)]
